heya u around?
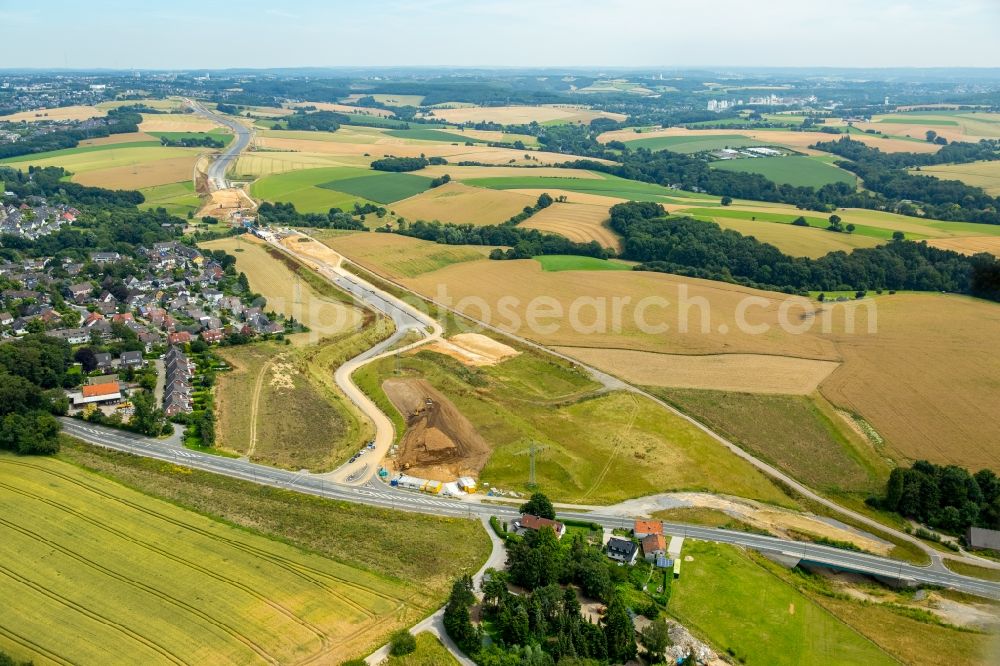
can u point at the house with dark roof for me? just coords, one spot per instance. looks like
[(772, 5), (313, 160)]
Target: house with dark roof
[(132, 359), (103, 360), (622, 550)]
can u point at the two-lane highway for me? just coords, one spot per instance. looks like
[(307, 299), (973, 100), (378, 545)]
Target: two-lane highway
[(217, 170), (377, 494)]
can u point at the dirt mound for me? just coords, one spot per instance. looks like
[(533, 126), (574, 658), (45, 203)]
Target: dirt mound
[(474, 349), (440, 443)]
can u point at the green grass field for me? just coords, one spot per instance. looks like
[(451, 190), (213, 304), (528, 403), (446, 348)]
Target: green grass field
[(606, 185), (591, 448), (693, 144), (745, 610), (788, 218), (433, 135), (917, 119), (302, 189), (177, 198), (129, 577), (795, 170), (79, 150), (383, 188), (567, 262), (802, 435)]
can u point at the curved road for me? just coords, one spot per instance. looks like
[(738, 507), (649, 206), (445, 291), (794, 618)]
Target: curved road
[(217, 170), (377, 494), (769, 470), (407, 318)]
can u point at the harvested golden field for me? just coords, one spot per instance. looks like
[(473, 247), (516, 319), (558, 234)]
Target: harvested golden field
[(522, 115), (578, 222), (345, 108), (927, 389), (380, 145), (977, 174), (969, 245), (251, 165), (799, 141), (496, 136), (142, 174), (131, 137), (463, 204), (175, 122), (654, 300), (927, 381), (792, 240), (60, 113), (285, 291), (399, 256), (971, 126), (748, 373)]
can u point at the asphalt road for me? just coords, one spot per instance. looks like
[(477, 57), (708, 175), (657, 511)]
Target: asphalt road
[(219, 167), (377, 494), (406, 319)]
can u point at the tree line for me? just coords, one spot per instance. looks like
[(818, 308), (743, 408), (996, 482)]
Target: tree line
[(285, 214), (119, 121), (34, 370), (886, 173), (691, 247), (946, 497)]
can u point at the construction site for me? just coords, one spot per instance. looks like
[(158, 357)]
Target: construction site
[(439, 443)]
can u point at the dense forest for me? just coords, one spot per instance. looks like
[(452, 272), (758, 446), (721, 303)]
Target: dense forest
[(285, 214), (886, 173), (702, 249), (206, 141), (119, 121), (34, 370), (320, 121), (945, 497), (522, 243)]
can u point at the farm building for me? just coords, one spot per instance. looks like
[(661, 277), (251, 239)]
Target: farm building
[(109, 392), (622, 550), (644, 528), (980, 538), (530, 523)]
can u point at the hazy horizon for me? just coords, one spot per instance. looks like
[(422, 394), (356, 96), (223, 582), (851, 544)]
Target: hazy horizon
[(612, 34)]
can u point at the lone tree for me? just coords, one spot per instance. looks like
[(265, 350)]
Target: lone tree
[(401, 643), (726, 201), (539, 505), (655, 638), (898, 236)]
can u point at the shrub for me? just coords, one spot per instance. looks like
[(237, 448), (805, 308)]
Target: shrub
[(402, 642)]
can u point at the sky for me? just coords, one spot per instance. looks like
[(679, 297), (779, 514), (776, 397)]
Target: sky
[(212, 34)]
